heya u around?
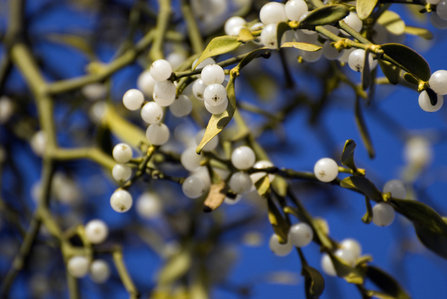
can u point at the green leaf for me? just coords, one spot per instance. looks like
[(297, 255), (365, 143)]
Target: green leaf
[(245, 35), (343, 269), (421, 32), (363, 185), (301, 46), (347, 156), (176, 267), (364, 8), (263, 185), (433, 241), (328, 14), (218, 46), (385, 282), (280, 29), (367, 218), (313, 281), (360, 121), (280, 186), (411, 79), (279, 224), (433, 96), (408, 58), (390, 71), (392, 22), (218, 122), (252, 55), (366, 71)]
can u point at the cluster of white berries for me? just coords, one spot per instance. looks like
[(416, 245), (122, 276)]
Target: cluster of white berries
[(349, 251), (438, 84), (79, 266), (121, 200), (300, 235)]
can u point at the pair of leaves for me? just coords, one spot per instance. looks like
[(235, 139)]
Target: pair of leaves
[(363, 185), (347, 156)]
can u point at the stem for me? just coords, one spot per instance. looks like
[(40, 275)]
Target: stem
[(124, 275), (73, 288), (90, 153), (193, 30), (353, 33), (164, 16)]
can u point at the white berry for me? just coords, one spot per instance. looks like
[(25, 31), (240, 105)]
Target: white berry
[(176, 59), (211, 145), (193, 186), (181, 107), (99, 271), (356, 60), (146, 83), (383, 214), (94, 91), (269, 36), (256, 176), (301, 234), (149, 206), (233, 22), (437, 22), (77, 266), (240, 183), (396, 188), (96, 231), (160, 70), (157, 134), (121, 201), (198, 89), (6, 109), (433, 1), (217, 109), (326, 170), (215, 94), (212, 73), (122, 153), (438, 82), (243, 157), (38, 142), (190, 159), (121, 172), (330, 52), (353, 246), (204, 63), (278, 248), (164, 93), (441, 10), (327, 266), (133, 99), (152, 113), (353, 21), (295, 9), (272, 13)]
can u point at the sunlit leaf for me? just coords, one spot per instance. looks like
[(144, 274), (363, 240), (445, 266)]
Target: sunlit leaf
[(263, 185), (385, 282), (421, 32), (280, 29), (215, 197), (280, 186), (279, 224), (218, 122), (343, 269), (392, 22), (363, 185), (327, 14), (314, 282), (361, 124), (408, 58), (364, 8), (245, 35), (176, 267), (390, 71), (218, 46), (301, 46)]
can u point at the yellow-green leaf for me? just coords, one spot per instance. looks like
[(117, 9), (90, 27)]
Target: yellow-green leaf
[(343, 269), (263, 185), (347, 156), (280, 186), (411, 79), (361, 124), (364, 8), (176, 267), (314, 282), (408, 58), (390, 71), (252, 55), (124, 130), (218, 122), (363, 185), (301, 46), (280, 29), (279, 224), (245, 35), (385, 282), (392, 22), (218, 46), (325, 15), (421, 32)]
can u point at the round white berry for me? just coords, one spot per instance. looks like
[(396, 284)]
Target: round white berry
[(383, 214), (310, 38), (301, 234), (99, 271), (97, 112), (164, 93), (160, 70), (212, 73), (269, 36), (157, 134), (217, 109), (418, 151), (149, 205), (330, 52), (353, 21), (326, 170), (396, 188), (193, 186), (65, 189), (346, 255), (203, 173), (96, 231), (295, 9), (133, 99), (232, 201), (356, 60), (353, 246), (198, 89), (438, 82), (327, 266), (441, 10), (240, 183), (256, 176), (345, 55), (233, 22), (151, 113), (272, 13), (121, 172), (215, 94), (181, 107), (243, 157), (121, 201), (190, 159), (38, 142), (211, 145), (146, 83), (176, 59), (437, 22), (77, 266), (122, 153), (94, 91), (434, 2), (311, 56), (204, 63), (278, 248)]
